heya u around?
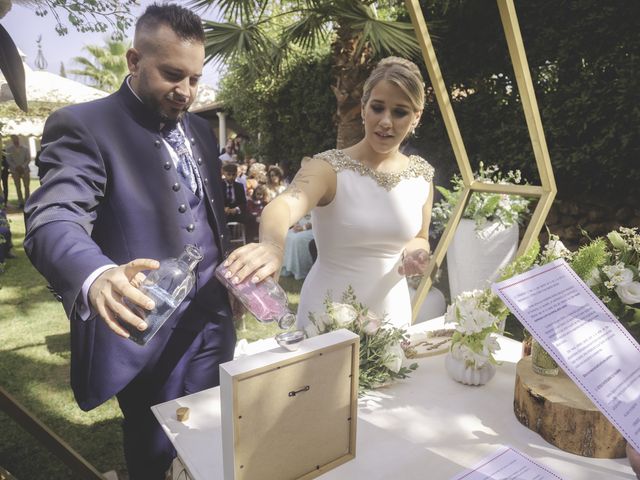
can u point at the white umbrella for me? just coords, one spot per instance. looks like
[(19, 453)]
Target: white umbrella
[(45, 86)]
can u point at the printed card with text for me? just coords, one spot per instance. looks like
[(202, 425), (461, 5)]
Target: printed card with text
[(508, 464), (583, 336)]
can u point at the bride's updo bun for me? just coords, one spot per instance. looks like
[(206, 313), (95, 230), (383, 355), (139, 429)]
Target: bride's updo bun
[(401, 72)]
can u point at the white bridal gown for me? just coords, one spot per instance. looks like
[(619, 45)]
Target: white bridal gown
[(361, 234)]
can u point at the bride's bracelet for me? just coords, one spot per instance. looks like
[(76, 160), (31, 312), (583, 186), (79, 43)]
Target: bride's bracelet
[(275, 245)]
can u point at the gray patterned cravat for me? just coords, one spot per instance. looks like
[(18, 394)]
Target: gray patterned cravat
[(174, 137)]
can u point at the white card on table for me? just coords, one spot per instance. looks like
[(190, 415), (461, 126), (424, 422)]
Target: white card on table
[(583, 336), (507, 464)]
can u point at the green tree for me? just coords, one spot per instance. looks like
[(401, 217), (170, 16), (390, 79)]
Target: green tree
[(359, 31), (107, 66), (85, 16), (583, 58), (288, 117)]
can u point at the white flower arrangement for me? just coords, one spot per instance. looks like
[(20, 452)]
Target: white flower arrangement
[(498, 210), (610, 266), (382, 357), (476, 321)]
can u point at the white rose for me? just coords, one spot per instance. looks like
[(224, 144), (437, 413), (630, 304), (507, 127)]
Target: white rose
[(344, 314), (395, 356), (371, 323), (629, 292)]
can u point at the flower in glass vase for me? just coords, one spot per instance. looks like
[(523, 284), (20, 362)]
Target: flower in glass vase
[(491, 212), (382, 357)]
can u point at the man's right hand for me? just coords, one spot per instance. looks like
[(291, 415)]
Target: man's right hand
[(107, 292)]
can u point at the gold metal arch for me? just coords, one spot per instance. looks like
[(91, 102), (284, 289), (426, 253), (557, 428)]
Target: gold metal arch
[(545, 193)]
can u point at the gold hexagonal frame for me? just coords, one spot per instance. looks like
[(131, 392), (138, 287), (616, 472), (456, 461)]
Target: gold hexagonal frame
[(545, 193)]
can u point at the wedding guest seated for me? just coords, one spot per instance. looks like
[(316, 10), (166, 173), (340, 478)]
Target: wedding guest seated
[(242, 175), (274, 181), (256, 175), (255, 204), (235, 200), (297, 256)]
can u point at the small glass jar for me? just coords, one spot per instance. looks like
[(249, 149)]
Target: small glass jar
[(541, 362)]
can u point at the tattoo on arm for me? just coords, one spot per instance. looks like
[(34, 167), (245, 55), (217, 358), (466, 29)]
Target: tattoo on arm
[(300, 179)]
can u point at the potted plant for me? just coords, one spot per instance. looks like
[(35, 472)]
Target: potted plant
[(487, 238)]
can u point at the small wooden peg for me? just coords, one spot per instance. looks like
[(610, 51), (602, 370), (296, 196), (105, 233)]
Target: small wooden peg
[(182, 414)]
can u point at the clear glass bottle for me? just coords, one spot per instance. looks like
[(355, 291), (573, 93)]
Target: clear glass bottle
[(167, 287), (266, 300)]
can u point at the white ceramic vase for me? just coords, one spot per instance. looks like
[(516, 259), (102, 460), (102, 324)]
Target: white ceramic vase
[(460, 372), (472, 261)]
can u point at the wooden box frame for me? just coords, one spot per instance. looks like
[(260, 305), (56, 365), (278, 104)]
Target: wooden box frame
[(291, 415)]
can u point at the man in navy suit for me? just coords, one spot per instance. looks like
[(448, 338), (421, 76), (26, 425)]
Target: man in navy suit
[(126, 181), (235, 200)]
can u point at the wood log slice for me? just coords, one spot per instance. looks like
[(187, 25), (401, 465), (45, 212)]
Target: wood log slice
[(556, 408)]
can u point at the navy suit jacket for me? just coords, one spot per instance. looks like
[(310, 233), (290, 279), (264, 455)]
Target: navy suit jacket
[(239, 198), (110, 194)]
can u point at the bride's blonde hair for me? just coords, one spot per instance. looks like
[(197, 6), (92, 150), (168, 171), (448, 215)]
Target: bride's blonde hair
[(401, 72)]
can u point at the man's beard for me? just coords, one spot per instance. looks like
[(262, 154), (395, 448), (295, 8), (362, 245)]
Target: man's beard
[(153, 104)]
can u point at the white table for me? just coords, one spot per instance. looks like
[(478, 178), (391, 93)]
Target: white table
[(425, 427)]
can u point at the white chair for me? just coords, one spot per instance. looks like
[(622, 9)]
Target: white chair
[(237, 236)]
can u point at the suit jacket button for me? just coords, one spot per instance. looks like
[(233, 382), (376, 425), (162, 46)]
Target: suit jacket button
[(167, 165), (182, 208), (191, 227), (193, 140), (199, 161), (222, 236), (175, 187), (157, 143), (206, 181)]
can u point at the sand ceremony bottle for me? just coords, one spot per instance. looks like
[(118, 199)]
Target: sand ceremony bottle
[(266, 300), (167, 287)]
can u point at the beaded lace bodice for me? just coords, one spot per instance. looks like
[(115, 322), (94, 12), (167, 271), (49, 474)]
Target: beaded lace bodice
[(418, 167)]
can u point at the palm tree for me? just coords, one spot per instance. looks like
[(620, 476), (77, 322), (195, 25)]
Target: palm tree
[(107, 66), (355, 28)]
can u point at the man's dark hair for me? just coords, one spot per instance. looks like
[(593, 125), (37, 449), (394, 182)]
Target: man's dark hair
[(185, 24), (230, 168)]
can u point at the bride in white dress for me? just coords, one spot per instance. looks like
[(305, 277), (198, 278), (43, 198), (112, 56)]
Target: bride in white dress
[(370, 206)]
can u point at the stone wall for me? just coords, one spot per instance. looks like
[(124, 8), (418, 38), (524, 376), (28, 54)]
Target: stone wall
[(569, 216)]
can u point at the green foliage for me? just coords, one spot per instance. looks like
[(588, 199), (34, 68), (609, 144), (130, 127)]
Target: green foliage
[(483, 208), (107, 65), (583, 57), (521, 264), (268, 34), (292, 113), (589, 257), (88, 16)]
